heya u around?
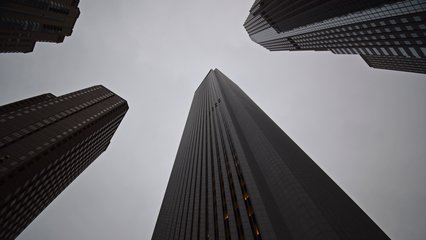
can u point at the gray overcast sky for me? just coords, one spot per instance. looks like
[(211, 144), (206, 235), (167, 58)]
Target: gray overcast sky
[(366, 128)]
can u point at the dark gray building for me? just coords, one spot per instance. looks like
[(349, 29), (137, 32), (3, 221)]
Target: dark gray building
[(45, 143), (237, 175), (388, 34), (25, 22)]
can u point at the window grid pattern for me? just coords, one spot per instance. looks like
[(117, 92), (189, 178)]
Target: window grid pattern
[(47, 121), (396, 63), (403, 36), (386, 11), (286, 15), (396, 29), (29, 201), (25, 22), (37, 167)]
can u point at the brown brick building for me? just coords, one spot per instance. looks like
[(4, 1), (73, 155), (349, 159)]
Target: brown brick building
[(45, 143)]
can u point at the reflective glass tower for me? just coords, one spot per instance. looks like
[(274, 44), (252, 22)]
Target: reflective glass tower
[(45, 143), (25, 22), (237, 175), (388, 34)]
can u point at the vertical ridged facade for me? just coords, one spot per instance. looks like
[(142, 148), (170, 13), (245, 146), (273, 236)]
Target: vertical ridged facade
[(45, 143), (237, 175), (384, 30), (25, 22)]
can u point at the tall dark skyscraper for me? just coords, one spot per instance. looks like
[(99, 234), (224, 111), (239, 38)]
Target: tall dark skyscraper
[(237, 175), (388, 34), (25, 22), (45, 143)]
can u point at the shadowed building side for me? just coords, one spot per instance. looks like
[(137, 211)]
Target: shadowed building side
[(396, 63), (384, 30), (25, 22), (45, 143), (237, 175)]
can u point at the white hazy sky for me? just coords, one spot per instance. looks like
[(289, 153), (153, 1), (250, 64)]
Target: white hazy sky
[(366, 128)]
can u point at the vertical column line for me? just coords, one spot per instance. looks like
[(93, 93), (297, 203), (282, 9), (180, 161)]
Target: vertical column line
[(189, 138), (247, 201), (188, 221), (184, 205), (231, 186), (224, 217), (212, 165)]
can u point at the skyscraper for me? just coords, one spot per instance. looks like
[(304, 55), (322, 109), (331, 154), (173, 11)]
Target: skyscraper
[(45, 143), (237, 175), (388, 34), (25, 22)]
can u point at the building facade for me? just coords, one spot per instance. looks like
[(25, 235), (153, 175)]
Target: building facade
[(25, 22), (237, 175), (45, 143), (388, 34)]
